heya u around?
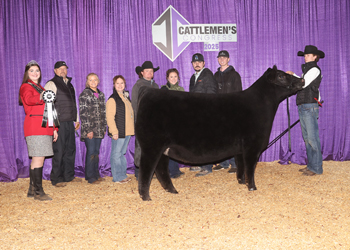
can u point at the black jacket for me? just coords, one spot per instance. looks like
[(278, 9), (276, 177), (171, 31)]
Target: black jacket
[(228, 81), (65, 103), (205, 83)]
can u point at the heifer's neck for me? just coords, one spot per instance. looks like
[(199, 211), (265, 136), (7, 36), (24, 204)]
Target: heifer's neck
[(265, 93)]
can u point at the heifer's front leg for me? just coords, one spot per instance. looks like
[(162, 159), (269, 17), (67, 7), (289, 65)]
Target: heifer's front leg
[(250, 160), (240, 169), (162, 172), (147, 166)]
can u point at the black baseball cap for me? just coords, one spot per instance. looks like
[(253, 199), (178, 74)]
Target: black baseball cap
[(60, 64), (197, 57), (223, 53)]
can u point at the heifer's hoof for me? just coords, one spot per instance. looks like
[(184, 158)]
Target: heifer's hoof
[(251, 188), (145, 197), (173, 191)]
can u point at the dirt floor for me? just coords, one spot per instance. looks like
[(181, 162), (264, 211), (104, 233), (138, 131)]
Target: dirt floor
[(288, 211)]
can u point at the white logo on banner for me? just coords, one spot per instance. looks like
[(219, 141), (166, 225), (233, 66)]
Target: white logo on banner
[(172, 33)]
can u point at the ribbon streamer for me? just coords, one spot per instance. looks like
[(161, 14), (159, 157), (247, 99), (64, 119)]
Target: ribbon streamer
[(50, 114)]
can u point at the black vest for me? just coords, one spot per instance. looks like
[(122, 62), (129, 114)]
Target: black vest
[(65, 103), (311, 92), (119, 117)]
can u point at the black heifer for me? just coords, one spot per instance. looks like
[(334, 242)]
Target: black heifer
[(198, 129)]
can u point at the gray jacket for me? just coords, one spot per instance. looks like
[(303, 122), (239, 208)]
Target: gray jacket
[(135, 92)]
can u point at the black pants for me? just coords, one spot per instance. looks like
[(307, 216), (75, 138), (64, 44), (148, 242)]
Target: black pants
[(63, 160)]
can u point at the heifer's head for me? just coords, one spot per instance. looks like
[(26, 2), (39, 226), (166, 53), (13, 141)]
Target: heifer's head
[(285, 83)]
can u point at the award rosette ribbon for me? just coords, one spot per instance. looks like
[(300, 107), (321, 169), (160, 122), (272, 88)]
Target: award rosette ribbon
[(50, 114)]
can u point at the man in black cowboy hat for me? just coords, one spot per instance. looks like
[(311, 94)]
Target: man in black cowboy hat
[(145, 73), (202, 81), (308, 101)]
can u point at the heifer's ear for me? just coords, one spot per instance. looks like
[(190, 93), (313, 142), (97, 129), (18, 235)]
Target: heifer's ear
[(271, 74)]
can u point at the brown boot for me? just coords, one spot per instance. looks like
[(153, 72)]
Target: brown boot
[(39, 193), (30, 193)]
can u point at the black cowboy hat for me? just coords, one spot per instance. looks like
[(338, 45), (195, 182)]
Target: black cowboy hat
[(310, 49), (145, 65)]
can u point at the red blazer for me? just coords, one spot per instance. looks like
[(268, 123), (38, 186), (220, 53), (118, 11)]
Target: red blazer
[(34, 109)]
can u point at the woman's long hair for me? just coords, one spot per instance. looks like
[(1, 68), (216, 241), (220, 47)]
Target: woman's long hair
[(26, 78)]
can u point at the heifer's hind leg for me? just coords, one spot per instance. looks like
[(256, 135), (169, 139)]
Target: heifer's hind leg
[(148, 163), (240, 168), (162, 172)]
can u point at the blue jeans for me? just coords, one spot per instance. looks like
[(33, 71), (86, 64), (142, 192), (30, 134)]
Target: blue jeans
[(92, 159), (308, 114), (208, 167), (118, 160), (226, 163), (173, 168)]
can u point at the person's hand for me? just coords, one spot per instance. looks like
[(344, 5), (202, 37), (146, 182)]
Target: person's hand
[(90, 135), (55, 136), (77, 126), (115, 137), (290, 72)]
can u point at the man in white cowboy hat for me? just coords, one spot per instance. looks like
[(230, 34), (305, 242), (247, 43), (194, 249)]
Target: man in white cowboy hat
[(308, 101), (145, 73)]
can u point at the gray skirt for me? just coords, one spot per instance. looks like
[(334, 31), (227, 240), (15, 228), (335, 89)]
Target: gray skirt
[(39, 145)]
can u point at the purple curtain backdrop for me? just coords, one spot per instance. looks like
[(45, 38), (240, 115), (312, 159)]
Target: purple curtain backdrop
[(111, 37)]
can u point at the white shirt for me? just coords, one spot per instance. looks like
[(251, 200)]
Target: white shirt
[(196, 75)]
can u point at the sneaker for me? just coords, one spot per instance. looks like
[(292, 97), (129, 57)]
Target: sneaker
[(195, 169), (303, 169), (232, 170), (309, 173), (202, 173), (218, 167), (60, 184), (127, 179)]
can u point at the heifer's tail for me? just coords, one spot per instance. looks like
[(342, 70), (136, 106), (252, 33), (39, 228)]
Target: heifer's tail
[(137, 153)]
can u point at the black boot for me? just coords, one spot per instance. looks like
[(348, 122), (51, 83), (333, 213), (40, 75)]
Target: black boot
[(31, 186), (39, 193)]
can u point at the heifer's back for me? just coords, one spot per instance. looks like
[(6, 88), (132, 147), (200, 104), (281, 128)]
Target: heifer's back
[(197, 127)]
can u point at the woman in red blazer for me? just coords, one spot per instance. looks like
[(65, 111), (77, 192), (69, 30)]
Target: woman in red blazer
[(39, 139)]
